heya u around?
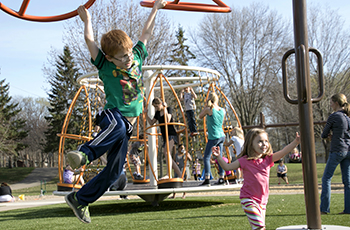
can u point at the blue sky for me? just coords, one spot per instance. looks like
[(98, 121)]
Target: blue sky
[(24, 45)]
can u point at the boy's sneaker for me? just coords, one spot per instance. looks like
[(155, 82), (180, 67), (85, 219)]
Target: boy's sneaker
[(77, 159), (80, 211), (221, 181)]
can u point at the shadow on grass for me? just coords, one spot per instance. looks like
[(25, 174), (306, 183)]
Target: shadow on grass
[(104, 208), (140, 207)]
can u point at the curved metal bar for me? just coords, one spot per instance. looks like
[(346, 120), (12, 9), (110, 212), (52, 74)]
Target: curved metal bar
[(23, 8), (285, 77), (320, 74), (63, 135), (180, 124), (74, 136), (23, 16), (188, 6)]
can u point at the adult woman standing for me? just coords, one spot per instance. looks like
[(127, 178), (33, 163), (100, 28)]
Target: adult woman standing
[(216, 136), (339, 123)]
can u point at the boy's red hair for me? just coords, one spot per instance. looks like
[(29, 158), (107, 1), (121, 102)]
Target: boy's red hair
[(115, 41)]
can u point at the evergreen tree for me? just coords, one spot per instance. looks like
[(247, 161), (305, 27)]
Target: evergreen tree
[(63, 89), (181, 53), (12, 128)]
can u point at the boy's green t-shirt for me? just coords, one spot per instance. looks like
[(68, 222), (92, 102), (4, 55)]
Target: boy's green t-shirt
[(123, 87)]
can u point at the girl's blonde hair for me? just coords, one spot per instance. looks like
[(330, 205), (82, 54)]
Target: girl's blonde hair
[(212, 99), (342, 102), (248, 144), (239, 132)]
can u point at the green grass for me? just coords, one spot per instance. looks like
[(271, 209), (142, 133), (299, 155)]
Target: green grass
[(222, 212), (14, 175), (295, 176)]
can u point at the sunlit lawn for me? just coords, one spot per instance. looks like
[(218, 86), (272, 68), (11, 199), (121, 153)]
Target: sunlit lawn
[(222, 212), (295, 176)]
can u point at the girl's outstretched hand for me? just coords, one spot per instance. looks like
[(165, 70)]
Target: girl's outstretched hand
[(215, 151)]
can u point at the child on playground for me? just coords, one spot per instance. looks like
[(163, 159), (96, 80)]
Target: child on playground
[(214, 161), (216, 136), (188, 96), (295, 155), (282, 171), (180, 158), (196, 169), (255, 160), (159, 116), (71, 176), (237, 140), (134, 156), (119, 65)]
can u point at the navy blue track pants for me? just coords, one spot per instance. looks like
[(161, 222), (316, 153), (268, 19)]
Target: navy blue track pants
[(113, 137)]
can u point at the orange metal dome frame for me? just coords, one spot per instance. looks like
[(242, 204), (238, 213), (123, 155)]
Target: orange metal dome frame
[(220, 7), (21, 13)]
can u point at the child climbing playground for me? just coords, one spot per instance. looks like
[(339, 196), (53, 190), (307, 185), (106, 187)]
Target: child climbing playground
[(120, 67)]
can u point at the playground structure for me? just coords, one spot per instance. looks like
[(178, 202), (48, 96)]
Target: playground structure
[(90, 91), (21, 13), (220, 7), (209, 78)]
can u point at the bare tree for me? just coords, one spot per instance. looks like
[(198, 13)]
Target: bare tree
[(246, 47), (328, 34), (128, 16), (33, 111)]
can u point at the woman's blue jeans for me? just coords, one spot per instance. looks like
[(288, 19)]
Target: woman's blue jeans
[(334, 159), (207, 154)]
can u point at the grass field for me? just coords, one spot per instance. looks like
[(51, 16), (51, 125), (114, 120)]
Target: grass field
[(205, 213), (295, 176), (14, 175), (201, 212)]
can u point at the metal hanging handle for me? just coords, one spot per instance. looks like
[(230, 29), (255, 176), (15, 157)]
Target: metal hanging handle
[(301, 54), (285, 77), (320, 75)]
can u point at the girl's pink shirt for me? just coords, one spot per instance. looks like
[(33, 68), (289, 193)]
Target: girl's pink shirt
[(256, 174)]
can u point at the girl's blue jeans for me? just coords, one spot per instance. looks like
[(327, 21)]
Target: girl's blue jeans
[(207, 154), (335, 158)]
